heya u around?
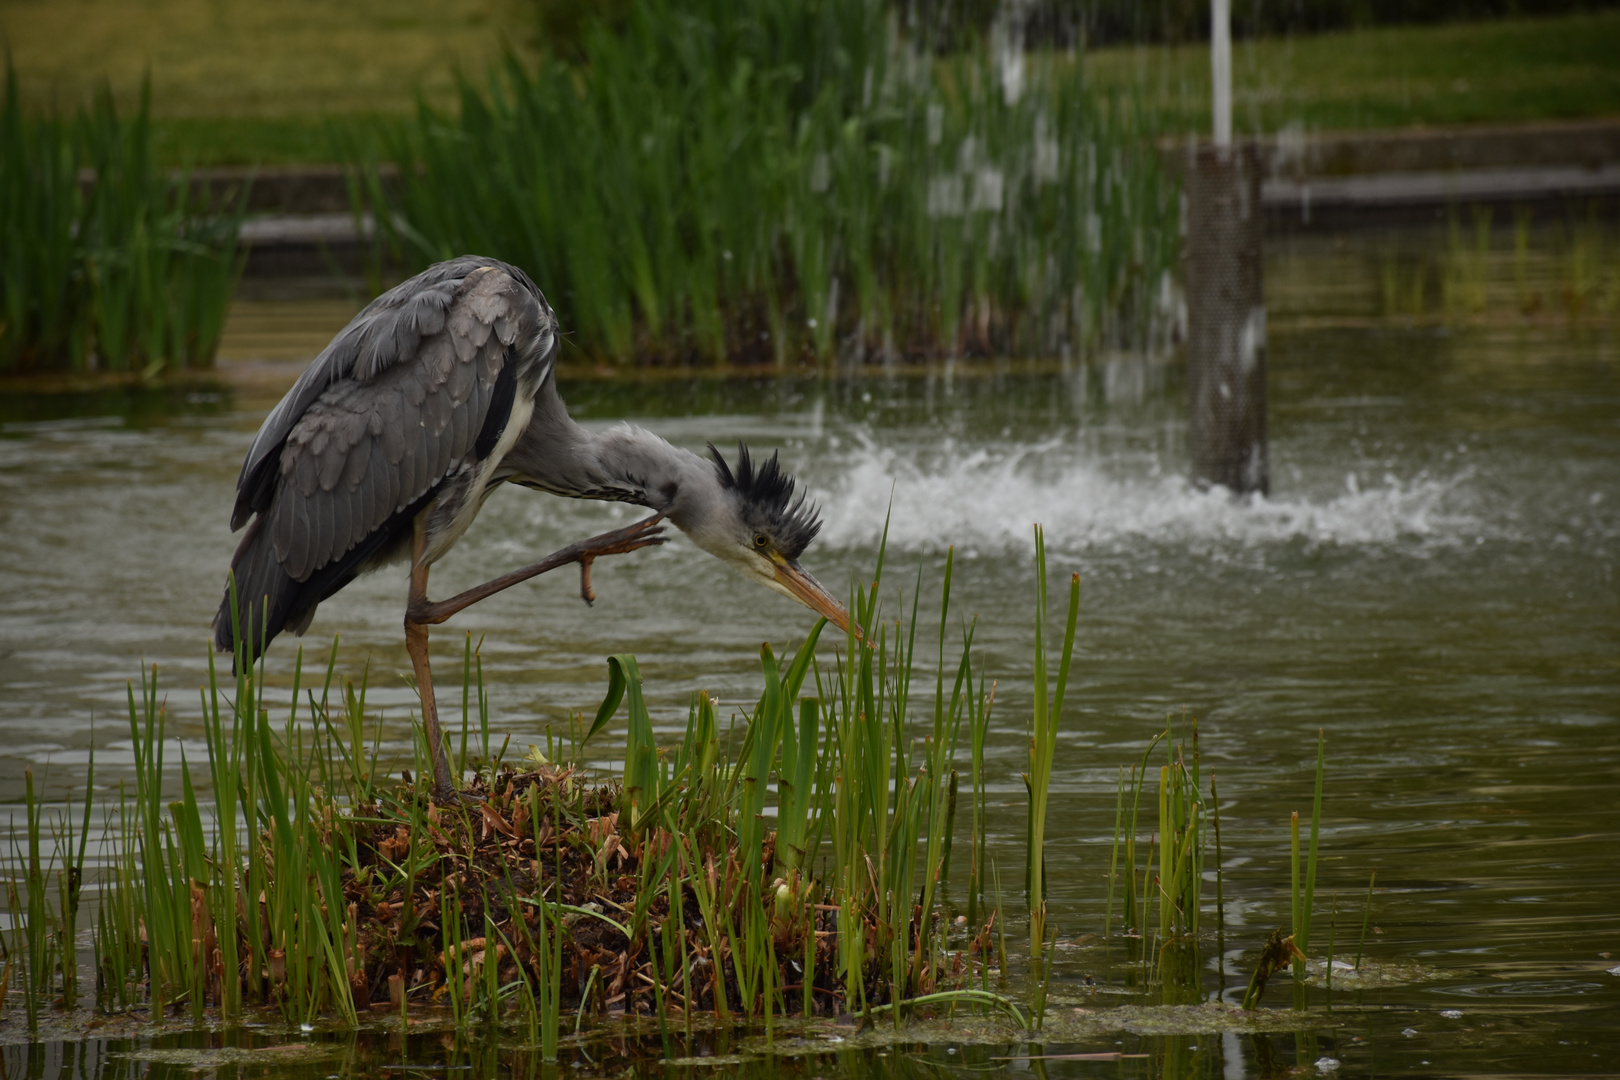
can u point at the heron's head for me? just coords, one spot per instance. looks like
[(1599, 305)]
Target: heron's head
[(758, 525)]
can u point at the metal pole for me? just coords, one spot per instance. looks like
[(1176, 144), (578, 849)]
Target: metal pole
[(1220, 68), (1226, 315)]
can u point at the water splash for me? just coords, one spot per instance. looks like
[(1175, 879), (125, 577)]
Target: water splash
[(985, 499)]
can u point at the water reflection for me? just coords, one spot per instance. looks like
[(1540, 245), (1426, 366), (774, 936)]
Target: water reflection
[(243, 1055), (1355, 1045)]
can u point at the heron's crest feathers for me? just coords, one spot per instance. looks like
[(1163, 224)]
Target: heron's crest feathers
[(766, 495)]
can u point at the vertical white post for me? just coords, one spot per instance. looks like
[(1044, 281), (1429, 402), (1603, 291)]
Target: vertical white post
[(1220, 68), (1226, 314)]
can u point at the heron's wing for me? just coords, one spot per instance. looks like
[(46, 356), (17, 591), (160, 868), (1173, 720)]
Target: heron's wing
[(388, 333), (424, 394)]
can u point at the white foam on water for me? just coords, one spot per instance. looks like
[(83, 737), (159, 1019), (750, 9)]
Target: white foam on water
[(985, 499)]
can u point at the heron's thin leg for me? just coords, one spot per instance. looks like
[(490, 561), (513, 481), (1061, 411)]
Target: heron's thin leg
[(424, 612), (416, 644)]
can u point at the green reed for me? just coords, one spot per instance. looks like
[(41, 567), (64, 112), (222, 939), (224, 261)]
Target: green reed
[(313, 886), (777, 182), (254, 905), (1182, 843), (980, 705), (30, 936), (1044, 719), (1127, 807), (1169, 878), (42, 951), (1366, 917), (882, 809), (1304, 889), (130, 272)]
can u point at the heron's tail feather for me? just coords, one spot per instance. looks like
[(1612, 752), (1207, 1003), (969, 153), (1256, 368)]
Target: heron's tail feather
[(269, 600), (261, 599)]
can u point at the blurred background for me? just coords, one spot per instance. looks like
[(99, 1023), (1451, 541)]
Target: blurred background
[(936, 253), (702, 183)]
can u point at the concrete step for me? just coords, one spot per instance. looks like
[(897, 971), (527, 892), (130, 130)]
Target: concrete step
[(1394, 179), (1387, 200)]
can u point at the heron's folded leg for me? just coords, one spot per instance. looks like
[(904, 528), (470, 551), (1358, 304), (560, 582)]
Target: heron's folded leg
[(416, 644), (648, 532)]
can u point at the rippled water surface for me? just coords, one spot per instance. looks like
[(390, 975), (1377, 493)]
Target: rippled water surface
[(1432, 584)]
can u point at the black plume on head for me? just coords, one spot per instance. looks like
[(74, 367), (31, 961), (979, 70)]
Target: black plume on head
[(767, 500)]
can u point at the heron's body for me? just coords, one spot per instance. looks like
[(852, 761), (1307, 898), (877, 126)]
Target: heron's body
[(410, 410), (436, 393)]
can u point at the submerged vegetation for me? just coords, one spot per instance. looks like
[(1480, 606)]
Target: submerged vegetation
[(798, 866), (117, 269), (778, 182), (1481, 272)]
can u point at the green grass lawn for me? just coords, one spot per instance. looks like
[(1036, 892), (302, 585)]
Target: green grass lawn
[(1417, 76), (237, 82)]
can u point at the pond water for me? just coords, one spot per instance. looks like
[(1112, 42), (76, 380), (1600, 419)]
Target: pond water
[(1432, 584)]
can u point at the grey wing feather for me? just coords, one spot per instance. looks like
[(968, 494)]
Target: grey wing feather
[(365, 448), (386, 332)]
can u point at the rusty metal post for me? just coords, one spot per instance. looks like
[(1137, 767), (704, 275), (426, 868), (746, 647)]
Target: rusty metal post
[(1226, 320)]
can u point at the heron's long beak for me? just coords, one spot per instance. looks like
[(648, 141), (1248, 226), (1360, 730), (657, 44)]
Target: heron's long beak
[(809, 592)]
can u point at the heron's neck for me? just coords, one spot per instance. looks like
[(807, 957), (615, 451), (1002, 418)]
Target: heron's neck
[(622, 464)]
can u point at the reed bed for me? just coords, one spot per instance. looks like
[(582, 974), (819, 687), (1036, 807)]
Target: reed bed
[(1162, 888), (766, 182), (793, 865), (325, 889), (106, 262)]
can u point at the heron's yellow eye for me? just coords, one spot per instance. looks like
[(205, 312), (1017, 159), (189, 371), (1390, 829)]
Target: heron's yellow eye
[(760, 541)]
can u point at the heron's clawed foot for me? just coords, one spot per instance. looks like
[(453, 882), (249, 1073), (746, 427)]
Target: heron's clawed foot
[(448, 795), (649, 532)]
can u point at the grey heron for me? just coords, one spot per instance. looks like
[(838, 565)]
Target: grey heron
[(436, 393)]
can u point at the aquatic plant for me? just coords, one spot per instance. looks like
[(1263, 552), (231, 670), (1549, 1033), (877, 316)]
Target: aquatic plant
[(1043, 743), (131, 270), (1278, 952), (1181, 843), (1304, 895), (1170, 877), (1568, 272), (1366, 918), (779, 182), (319, 886), (324, 890), (1136, 899)]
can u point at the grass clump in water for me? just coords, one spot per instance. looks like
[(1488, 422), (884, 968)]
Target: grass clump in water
[(551, 898), (125, 272), (322, 889)]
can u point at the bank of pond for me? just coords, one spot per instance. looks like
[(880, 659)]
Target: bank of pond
[(788, 186)]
